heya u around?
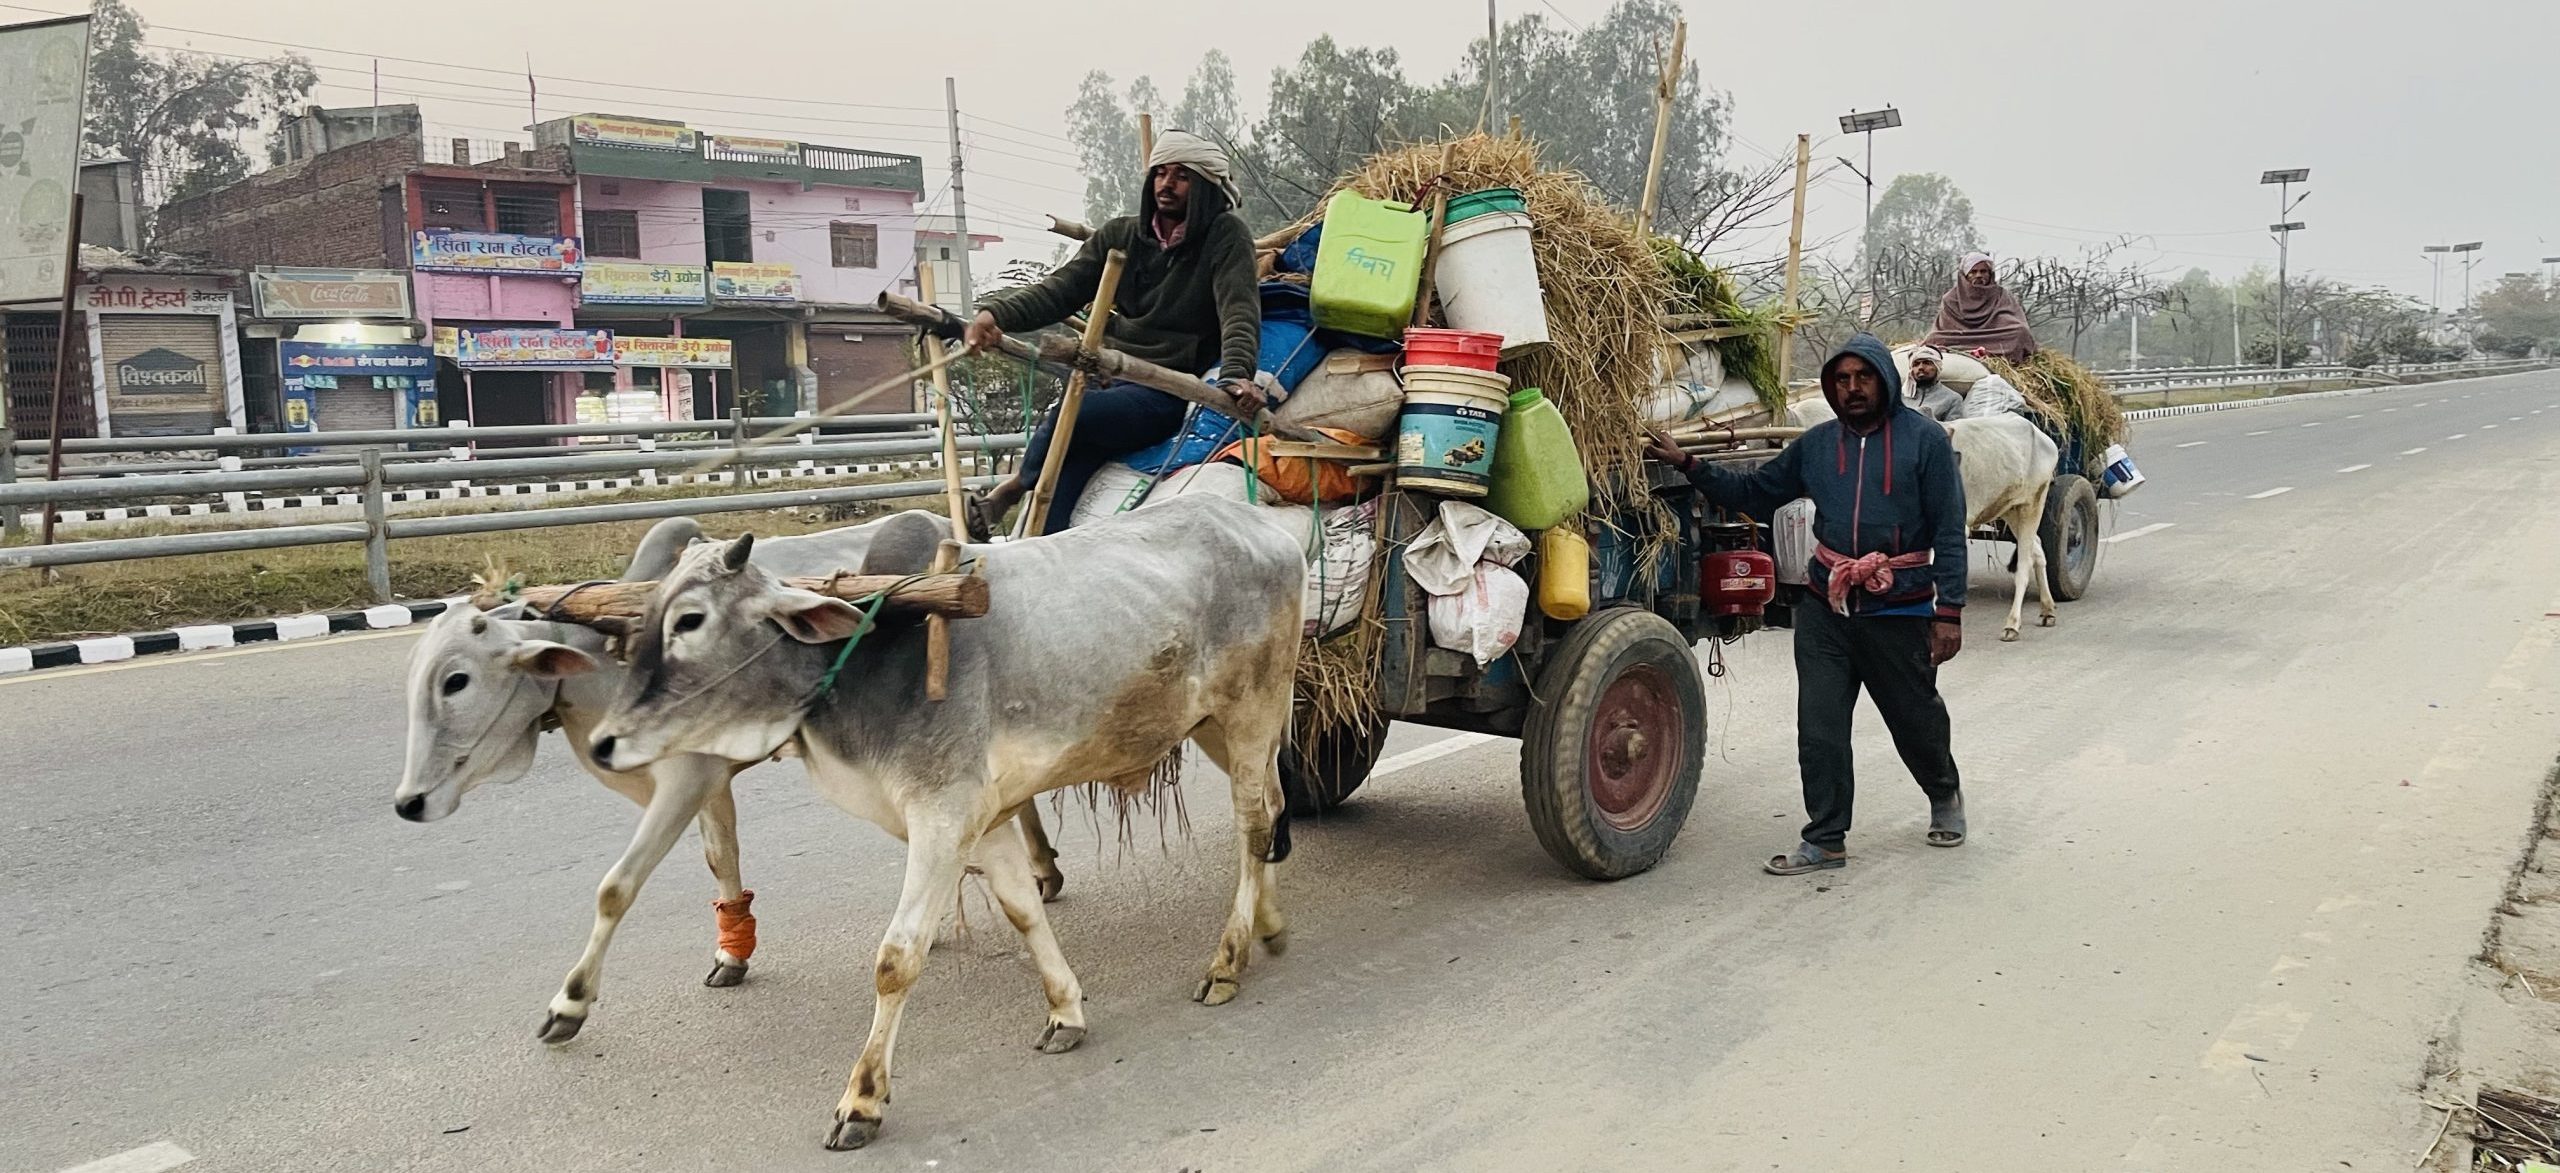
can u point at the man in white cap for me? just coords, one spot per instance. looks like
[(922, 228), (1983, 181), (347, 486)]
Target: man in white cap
[(1187, 300), (1932, 398)]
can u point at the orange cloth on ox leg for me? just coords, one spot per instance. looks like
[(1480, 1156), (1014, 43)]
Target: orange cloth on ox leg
[(737, 925)]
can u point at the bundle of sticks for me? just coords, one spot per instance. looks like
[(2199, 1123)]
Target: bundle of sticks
[(1715, 442)]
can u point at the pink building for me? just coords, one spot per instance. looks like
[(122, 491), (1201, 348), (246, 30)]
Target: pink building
[(780, 247)]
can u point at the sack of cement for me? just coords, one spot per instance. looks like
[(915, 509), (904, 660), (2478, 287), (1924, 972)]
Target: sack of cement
[(1115, 488), (1350, 391), (1990, 396)]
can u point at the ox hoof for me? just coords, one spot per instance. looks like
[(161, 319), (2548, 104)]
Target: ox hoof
[(1215, 991), (1050, 885), (1060, 1039), (558, 1028), (848, 1135), (725, 974), (2008, 635), (2047, 620), (1277, 943)]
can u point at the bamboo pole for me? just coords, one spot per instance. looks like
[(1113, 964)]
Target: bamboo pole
[(937, 628), (1795, 264), (1663, 94), (1146, 146), (611, 606), (1071, 229), (1699, 435), (1036, 517), (1439, 226)]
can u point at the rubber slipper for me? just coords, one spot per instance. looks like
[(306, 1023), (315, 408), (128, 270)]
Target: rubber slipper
[(1805, 858), (1946, 822), (981, 527)]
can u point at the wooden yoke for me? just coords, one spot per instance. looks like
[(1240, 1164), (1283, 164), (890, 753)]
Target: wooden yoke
[(1036, 514), (937, 628), (611, 606)]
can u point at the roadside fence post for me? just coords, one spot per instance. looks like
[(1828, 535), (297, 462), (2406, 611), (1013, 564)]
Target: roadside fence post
[(648, 476), (739, 473), (377, 532), (459, 451), (230, 462), (10, 526), (807, 467)]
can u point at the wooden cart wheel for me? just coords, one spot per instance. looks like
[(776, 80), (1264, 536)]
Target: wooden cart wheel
[(1320, 775), (2070, 535), (1610, 757)]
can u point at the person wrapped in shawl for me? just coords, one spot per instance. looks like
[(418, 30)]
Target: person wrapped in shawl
[(1979, 317)]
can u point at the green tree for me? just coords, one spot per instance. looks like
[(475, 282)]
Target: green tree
[(178, 115), (1106, 139), (1209, 104), (1924, 214), (2520, 310), (1328, 112)]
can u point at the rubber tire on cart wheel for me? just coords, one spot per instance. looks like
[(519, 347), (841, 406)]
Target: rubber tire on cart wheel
[(1610, 755), (1320, 776), (2070, 535)]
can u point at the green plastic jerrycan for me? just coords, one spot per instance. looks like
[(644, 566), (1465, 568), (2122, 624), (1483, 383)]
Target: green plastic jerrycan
[(1537, 472), (1368, 266)]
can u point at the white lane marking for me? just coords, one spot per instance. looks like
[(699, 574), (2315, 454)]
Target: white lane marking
[(2131, 534), (2357, 416), (2486, 427), (2516, 419), (2312, 424), (2355, 468), (2413, 452), (2258, 433), (1432, 752), (2388, 410), (2457, 435), (171, 661), (150, 1158), (2280, 489), (2195, 444)]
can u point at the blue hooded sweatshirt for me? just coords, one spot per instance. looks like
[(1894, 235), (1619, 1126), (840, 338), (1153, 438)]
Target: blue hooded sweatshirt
[(1892, 490)]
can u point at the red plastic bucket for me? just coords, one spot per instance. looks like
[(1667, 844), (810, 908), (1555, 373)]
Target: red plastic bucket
[(1452, 348)]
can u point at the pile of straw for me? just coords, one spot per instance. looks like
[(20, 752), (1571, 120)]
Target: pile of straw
[(2069, 395), (1605, 290), (1702, 292)]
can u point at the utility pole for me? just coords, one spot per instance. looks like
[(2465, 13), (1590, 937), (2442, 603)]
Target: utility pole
[(2135, 319), (959, 198), (2435, 297), (2471, 251), (2284, 230)]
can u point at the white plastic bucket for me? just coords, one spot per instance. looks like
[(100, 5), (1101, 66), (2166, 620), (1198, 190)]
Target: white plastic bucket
[(2120, 478), (1488, 280)]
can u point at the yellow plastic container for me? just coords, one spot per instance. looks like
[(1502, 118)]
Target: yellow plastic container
[(1537, 477), (1564, 573), (1368, 266)]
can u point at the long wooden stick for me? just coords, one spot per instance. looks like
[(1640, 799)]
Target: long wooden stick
[(1146, 149), (839, 411), (1795, 263), (1439, 226), (1036, 517), (937, 629), (1663, 94), (606, 605), (1071, 229)]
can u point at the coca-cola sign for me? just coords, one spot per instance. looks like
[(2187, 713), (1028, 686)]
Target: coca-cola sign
[(332, 293)]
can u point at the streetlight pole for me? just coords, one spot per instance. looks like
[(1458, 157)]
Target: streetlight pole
[(2284, 230), (1868, 123), (2435, 296), (2470, 250)]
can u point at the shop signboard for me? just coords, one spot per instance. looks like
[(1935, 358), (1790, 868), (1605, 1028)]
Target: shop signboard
[(713, 353), (628, 283), (445, 250), (732, 281), (519, 348), (331, 293)]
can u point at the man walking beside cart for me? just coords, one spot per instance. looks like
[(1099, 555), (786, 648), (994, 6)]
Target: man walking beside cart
[(1888, 576)]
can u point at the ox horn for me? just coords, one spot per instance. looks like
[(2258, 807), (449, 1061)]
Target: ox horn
[(736, 559)]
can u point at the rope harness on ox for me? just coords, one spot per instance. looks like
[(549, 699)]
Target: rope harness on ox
[(1872, 573)]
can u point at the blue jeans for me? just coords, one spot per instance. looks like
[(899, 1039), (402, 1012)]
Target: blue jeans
[(1112, 422)]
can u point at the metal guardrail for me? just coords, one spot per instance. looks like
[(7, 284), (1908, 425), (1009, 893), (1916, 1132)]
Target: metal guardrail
[(2166, 379), (376, 478)]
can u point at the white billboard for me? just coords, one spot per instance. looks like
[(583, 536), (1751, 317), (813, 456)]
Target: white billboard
[(39, 151)]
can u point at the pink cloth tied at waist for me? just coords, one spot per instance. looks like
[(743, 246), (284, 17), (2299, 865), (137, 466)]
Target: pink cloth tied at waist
[(1870, 572)]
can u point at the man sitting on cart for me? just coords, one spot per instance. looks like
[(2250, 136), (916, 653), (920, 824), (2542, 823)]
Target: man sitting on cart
[(1187, 300), (1888, 576)]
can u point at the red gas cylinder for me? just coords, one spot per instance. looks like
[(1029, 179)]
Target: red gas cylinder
[(1738, 582)]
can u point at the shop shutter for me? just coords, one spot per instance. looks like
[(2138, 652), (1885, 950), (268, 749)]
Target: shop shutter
[(164, 374), (358, 404)]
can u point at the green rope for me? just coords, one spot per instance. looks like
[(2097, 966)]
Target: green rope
[(827, 683)]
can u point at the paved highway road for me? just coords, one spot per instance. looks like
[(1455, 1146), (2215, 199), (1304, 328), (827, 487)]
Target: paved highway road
[(2238, 824)]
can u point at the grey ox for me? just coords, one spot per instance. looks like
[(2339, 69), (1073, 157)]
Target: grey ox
[(1104, 649), (483, 685)]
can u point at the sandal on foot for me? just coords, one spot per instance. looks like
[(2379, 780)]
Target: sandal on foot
[(1946, 822), (982, 528), (1805, 858)]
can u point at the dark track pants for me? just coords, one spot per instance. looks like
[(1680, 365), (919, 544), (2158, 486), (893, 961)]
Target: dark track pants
[(1889, 657), (1112, 422)]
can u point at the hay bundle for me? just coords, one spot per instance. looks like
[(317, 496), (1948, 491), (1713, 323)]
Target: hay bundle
[(2070, 395), (1702, 292), (1605, 291)]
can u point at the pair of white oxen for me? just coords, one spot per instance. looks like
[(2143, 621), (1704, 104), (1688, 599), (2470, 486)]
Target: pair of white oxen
[(1104, 649)]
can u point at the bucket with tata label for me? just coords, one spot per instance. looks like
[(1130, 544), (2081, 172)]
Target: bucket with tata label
[(1446, 435)]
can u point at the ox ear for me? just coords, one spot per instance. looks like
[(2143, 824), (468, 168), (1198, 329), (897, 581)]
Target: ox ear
[(544, 660), (813, 618), (736, 556)]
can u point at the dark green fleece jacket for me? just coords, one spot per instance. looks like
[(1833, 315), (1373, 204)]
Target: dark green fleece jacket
[(1189, 308)]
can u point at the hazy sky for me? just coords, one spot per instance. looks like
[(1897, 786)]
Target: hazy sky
[(2067, 123)]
